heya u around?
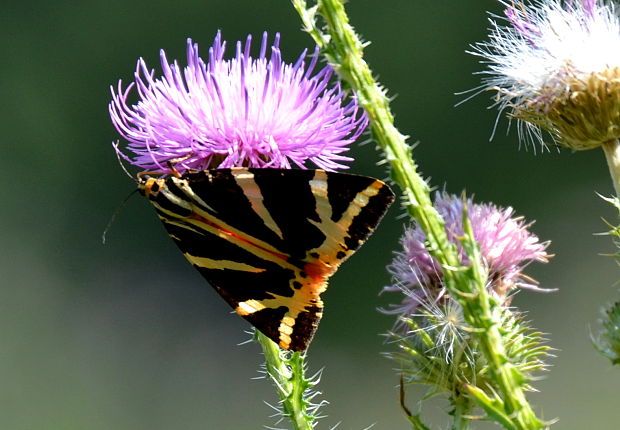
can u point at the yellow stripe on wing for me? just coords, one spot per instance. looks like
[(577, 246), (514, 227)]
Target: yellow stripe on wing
[(336, 231), (303, 300), (209, 263), (253, 193)]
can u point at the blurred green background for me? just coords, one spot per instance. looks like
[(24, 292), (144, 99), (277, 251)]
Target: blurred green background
[(128, 336)]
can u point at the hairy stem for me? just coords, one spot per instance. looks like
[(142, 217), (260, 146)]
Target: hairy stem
[(287, 374)]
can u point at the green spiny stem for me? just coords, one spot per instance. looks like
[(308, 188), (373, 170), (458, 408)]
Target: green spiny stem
[(612, 155), (288, 377), (483, 313), (344, 51)]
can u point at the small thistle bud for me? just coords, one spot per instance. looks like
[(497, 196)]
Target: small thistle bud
[(555, 67), (244, 112)]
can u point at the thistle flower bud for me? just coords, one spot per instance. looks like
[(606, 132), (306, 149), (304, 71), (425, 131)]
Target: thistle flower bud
[(555, 67)]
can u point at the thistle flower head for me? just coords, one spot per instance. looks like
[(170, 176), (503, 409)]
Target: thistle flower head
[(506, 246), (436, 345), (555, 67), (246, 111)]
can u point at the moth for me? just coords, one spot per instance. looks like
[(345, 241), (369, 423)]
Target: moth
[(268, 240)]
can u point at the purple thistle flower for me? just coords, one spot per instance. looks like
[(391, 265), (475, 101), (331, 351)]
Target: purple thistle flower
[(252, 112), (506, 246)]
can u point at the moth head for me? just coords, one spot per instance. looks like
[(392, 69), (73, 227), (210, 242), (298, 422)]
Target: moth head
[(148, 186)]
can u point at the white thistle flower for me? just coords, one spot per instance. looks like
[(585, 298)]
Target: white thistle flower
[(556, 67)]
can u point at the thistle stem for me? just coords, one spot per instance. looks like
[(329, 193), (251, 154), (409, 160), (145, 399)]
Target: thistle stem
[(344, 51), (462, 407), (612, 155), (287, 374)]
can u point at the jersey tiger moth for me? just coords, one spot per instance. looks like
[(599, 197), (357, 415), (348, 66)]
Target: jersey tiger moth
[(268, 240)]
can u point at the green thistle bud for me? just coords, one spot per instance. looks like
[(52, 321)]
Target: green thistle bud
[(608, 342)]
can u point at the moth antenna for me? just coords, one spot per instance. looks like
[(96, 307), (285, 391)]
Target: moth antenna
[(115, 214), (120, 161)]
